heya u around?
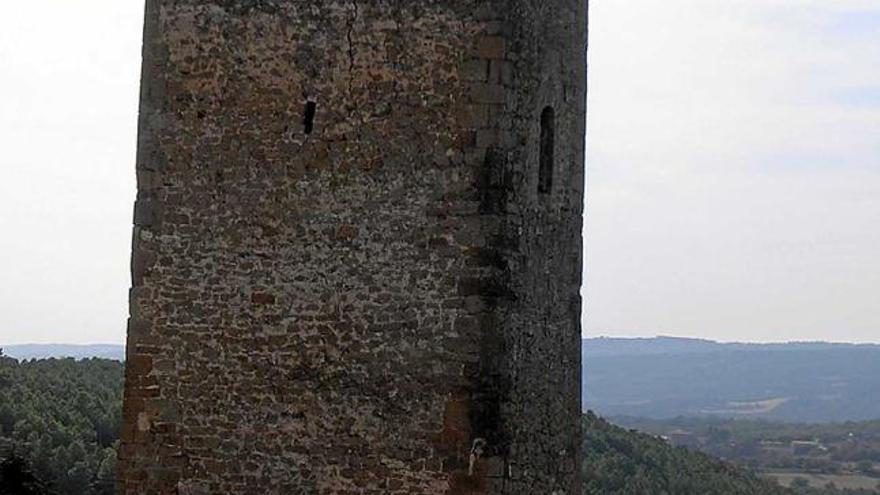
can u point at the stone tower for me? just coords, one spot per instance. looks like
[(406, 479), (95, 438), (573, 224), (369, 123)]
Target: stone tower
[(357, 248)]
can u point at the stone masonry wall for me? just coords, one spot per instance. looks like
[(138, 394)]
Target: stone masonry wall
[(346, 277)]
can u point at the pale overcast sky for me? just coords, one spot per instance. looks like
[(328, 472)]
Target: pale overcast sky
[(733, 191), (734, 169)]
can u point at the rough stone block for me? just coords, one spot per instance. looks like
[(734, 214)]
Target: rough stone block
[(487, 93), (475, 70), (490, 47)]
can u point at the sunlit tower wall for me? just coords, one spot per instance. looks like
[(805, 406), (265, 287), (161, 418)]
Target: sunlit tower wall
[(357, 248)]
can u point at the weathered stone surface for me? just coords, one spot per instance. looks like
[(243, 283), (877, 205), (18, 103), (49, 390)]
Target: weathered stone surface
[(345, 278)]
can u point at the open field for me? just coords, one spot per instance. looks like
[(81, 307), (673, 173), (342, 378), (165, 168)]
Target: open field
[(734, 408), (852, 481)]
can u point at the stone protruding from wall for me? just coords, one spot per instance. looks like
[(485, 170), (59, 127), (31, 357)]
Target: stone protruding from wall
[(357, 249)]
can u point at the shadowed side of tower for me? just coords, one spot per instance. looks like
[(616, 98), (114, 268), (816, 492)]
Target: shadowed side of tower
[(357, 249)]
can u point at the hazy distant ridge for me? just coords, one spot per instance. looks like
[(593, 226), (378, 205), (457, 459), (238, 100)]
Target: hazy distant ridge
[(45, 351), (610, 346), (667, 377)]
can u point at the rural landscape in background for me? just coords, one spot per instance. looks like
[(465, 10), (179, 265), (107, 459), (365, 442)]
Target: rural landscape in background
[(802, 415)]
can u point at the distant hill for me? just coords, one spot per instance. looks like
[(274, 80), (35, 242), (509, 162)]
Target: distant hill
[(667, 377), (45, 351), (608, 346)]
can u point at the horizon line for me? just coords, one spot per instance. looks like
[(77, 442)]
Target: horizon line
[(583, 337), (724, 341)]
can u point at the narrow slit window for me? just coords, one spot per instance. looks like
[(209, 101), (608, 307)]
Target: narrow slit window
[(309, 118), (545, 167)]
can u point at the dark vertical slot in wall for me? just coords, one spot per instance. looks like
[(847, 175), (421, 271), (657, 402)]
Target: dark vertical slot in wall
[(548, 137), (309, 118)]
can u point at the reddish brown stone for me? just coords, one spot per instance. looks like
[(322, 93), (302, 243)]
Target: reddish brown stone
[(346, 280), (262, 298), (490, 47)]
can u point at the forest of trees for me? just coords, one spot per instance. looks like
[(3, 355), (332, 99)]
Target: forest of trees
[(60, 421), (623, 462)]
